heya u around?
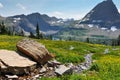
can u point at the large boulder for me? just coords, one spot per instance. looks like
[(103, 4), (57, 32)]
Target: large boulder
[(35, 50), (13, 63)]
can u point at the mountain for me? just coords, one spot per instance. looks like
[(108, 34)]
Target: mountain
[(105, 14), (102, 22), (28, 23)]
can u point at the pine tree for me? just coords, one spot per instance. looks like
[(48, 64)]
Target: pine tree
[(13, 30), (31, 35), (118, 40), (70, 39), (8, 31), (22, 33), (0, 27), (37, 31), (3, 29), (87, 40), (114, 42), (50, 37), (41, 36)]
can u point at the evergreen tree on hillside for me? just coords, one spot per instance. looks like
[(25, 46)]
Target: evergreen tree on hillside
[(22, 33), (118, 40), (114, 42), (87, 40), (3, 29), (50, 37), (37, 31), (0, 27), (31, 35), (41, 36)]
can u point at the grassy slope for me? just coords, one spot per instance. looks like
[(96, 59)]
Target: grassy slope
[(105, 67)]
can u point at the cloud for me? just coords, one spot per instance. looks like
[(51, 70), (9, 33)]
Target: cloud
[(57, 13), (1, 5), (66, 15), (119, 10), (21, 6)]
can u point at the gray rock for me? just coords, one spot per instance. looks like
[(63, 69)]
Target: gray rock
[(43, 69), (12, 62), (106, 51), (70, 65), (63, 70), (53, 63), (37, 76)]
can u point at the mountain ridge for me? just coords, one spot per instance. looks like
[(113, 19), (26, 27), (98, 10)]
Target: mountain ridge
[(28, 23)]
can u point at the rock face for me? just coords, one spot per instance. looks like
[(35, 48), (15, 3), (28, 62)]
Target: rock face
[(35, 50), (14, 63), (104, 14)]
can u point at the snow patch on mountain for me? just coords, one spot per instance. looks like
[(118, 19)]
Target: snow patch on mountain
[(113, 28), (103, 28), (16, 19), (91, 25)]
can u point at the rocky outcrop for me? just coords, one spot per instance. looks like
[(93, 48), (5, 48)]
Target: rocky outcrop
[(14, 63), (35, 50)]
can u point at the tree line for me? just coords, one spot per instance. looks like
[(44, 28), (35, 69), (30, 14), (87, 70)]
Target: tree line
[(12, 31), (112, 42)]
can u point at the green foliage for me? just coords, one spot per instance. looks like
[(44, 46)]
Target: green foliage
[(87, 40), (104, 67), (71, 34), (3, 29), (109, 67), (32, 35), (9, 42), (22, 33), (94, 67)]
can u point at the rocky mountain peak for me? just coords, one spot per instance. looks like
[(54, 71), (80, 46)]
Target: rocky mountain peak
[(104, 13)]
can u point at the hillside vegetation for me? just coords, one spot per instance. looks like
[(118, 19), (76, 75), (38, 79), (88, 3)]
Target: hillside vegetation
[(105, 66)]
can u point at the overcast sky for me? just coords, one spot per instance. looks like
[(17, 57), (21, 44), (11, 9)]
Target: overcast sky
[(59, 8)]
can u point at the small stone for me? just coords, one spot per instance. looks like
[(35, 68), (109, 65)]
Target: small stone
[(70, 65), (53, 63), (71, 48), (43, 70), (12, 76), (50, 74), (37, 76), (83, 67), (50, 68), (106, 51)]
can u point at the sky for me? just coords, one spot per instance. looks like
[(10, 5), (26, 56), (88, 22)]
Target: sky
[(60, 8)]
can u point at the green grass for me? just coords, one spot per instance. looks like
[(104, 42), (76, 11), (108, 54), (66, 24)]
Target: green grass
[(105, 66), (60, 48)]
